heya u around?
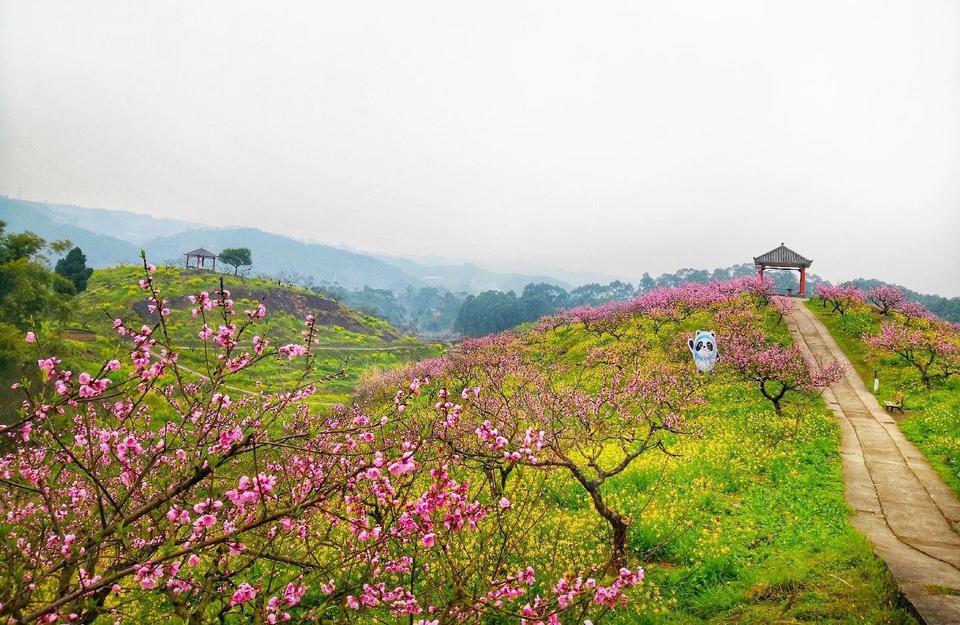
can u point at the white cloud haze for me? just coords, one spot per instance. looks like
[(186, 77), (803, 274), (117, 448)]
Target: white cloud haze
[(616, 137)]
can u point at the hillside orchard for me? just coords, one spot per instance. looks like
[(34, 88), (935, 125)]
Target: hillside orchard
[(447, 491)]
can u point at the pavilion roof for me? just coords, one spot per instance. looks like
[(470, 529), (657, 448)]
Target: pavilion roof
[(782, 256), (201, 252)]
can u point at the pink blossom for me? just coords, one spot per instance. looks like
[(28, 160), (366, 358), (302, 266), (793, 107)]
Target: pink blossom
[(292, 350), (245, 592), (293, 593)]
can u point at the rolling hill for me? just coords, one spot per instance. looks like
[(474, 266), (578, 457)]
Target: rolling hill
[(346, 338)]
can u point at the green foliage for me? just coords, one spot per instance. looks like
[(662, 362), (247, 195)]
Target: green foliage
[(30, 294), (856, 322), (236, 257), (74, 268), (491, 311), (15, 246), (543, 299), (594, 293)]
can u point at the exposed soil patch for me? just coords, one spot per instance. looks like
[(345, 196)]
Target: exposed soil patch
[(327, 311), (81, 335)]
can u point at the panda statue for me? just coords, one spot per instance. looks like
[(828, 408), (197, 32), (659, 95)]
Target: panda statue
[(703, 345)]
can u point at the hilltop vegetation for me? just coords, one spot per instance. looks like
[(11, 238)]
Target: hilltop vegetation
[(36, 298), (581, 469), (947, 308), (435, 299), (347, 339)]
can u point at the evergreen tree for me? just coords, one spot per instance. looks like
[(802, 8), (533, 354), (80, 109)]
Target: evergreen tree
[(74, 268)]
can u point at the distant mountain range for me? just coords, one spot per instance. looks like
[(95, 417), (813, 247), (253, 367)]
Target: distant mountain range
[(110, 237)]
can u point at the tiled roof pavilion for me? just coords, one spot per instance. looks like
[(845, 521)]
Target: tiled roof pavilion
[(201, 252), (199, 257), (784, 258)]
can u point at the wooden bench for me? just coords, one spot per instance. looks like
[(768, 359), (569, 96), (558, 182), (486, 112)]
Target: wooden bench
[(892, 406)]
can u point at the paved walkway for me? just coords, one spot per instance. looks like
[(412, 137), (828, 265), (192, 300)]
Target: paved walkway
[(899, 502)]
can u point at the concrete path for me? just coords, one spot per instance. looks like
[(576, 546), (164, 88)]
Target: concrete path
[(899, 502)]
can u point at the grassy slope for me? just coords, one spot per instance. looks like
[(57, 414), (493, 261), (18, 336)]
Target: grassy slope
[(932, 420), (349, 339), (748, 525)]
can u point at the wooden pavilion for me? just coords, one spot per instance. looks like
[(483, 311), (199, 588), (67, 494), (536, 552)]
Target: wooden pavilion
[(784, 258), (197, 259)]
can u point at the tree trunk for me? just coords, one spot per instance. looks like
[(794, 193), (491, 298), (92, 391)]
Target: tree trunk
[(617, 522), (774, 399), (618, 527), (924, 371)]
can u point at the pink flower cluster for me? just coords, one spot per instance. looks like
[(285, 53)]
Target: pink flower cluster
[(671, 304), (141, 480), (930, 345), (841, 298)]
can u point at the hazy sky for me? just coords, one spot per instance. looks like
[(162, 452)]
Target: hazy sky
[(617, 137)]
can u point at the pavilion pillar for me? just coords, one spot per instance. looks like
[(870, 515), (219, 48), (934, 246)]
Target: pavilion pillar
[(760, 272), (803, 282)]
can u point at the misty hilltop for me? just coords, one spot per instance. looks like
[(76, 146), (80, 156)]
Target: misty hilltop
[(111, 237)]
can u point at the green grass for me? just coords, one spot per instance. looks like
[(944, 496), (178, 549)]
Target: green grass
[(747, 525), (348, 339), (932, 416)]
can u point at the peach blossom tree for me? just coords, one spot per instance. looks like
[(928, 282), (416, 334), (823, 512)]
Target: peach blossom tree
[(141, 486)]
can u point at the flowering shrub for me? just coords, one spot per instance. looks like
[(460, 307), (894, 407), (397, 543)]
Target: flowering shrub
[(543, 413), (777, 370), (783, 305), (666, 305), (931, 346), (138, 485), (891, 302), (841, 298), (886, 299)]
